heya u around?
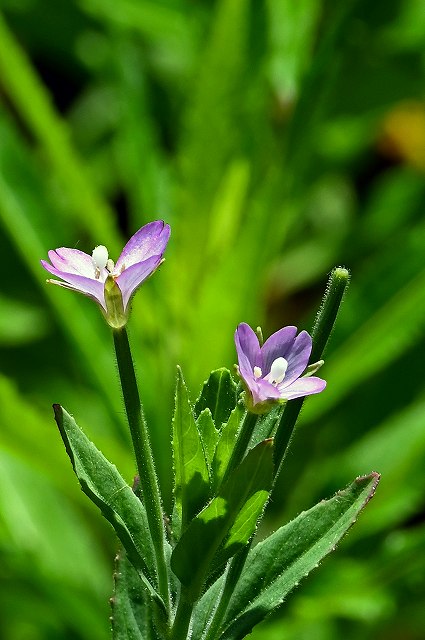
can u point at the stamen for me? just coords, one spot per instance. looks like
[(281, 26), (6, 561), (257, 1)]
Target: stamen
[(257, 372), (278, 370), (110, 265)]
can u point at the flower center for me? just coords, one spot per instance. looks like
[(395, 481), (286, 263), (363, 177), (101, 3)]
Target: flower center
[(277, 371), (101, 260)]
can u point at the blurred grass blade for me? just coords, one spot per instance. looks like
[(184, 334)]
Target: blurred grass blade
[(34, 105), (87, 338)]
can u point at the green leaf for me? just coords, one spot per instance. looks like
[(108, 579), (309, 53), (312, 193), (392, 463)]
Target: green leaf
[(266, 425), (226, 445), (219, 525), (276, 565), (208, 432), (102, 483), (219, 395), (191, 488), (131, 611)]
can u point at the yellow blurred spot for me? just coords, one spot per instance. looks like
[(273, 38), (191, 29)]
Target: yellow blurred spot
[(403, 133)]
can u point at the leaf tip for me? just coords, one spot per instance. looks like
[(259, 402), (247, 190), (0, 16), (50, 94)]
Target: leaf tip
[(58, 412)]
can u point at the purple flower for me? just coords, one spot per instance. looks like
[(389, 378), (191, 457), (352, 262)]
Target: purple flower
[(271, 373), (111, 285)]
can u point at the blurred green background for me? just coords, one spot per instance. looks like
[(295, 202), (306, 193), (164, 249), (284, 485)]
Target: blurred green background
[(278, 138)]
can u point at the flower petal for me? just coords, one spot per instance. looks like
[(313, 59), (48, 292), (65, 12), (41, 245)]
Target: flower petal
[(73, 261), (298, 357), (149, 241), (264, 391), (248, 350), (133, 276), (302, 387), (90, 287), (278, 345)]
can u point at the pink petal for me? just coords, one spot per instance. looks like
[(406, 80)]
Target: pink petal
[(149, 241), (264, 391), (298, 357), (133, 276), (90, 287), (277, 345), (72, 261), (248, 350), (302, 387)]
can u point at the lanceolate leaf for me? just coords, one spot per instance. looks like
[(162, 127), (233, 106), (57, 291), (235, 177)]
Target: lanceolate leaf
[(191, 472), (131, 613), (219, 395), (276, 565), (226, 445), (208, 432), (102, 483), (245, 493)]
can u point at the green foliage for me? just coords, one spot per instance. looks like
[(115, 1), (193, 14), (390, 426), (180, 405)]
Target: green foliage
[(227, 523), (298, 547), (278, 139), (131, 614), (219, 396), (276, 565), (191, 488), (102, 483), (225, 445)]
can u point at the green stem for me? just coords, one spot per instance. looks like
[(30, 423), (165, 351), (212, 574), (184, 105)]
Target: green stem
[(328, 312), (182, 619), (144, 458), (325, 321), (234, 571), (247, 427), (322, 329)]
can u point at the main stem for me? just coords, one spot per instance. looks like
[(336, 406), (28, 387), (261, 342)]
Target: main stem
[(234, 571), (242, 442), (144, 457), (182, 619)]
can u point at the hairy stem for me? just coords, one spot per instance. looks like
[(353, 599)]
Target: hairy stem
[(182, 620), (144, 457), (244, 436), (322, 329)]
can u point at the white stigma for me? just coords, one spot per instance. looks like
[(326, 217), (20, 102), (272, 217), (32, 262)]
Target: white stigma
[(257, 372), (100, 257), (278, 370)]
